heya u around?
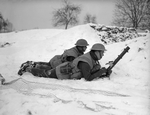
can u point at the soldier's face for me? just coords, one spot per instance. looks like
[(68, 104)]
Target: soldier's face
[(99, 54), (82, 48)]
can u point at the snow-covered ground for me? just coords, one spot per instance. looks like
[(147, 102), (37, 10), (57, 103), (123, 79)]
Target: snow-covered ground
[(126, 93)]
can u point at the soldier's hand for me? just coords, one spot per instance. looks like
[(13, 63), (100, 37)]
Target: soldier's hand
[(103, 71), (108, 72)]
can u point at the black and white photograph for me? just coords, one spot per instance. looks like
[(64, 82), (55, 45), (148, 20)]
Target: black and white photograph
[(74, 57)]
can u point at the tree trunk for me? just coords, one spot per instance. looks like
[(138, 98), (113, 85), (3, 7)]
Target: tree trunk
[(135, 24), (66, 26)]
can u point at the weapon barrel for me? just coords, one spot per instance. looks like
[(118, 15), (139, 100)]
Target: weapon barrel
[(119, 57)]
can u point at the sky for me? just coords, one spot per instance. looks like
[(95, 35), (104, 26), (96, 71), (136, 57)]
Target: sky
[(127, 92), (28, 14)]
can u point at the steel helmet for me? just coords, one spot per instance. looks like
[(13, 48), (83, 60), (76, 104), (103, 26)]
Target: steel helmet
[(98, 46), (81, 42), (70, 53)]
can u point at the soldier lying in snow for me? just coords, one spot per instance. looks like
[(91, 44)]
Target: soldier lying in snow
[(68, 55), (85, 66)]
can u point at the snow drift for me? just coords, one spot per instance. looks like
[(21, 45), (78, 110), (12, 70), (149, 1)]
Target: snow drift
[(127, 91)]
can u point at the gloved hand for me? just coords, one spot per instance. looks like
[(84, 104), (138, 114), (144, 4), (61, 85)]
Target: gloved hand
[(103, 71), (108, 72)]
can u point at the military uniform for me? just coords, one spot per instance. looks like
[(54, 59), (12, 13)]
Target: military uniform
[(81, 67), (67, 56)]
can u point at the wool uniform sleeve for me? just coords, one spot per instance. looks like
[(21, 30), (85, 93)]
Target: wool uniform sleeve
[(86, 71)]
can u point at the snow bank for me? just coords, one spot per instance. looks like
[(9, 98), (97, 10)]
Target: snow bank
[(127, 91)]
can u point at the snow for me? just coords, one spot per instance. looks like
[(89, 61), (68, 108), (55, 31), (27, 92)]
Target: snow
[(126, 93)]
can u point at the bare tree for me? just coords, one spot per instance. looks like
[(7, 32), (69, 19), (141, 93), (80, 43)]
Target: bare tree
[(89, 19), (5, 25), (145, 23), (130, 13), (67, 15), (1, 22), (9, 26)]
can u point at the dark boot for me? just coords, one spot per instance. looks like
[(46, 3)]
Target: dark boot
[(24, 66)]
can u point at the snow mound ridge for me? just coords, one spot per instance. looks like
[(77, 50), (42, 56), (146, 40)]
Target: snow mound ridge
[(23, 85)]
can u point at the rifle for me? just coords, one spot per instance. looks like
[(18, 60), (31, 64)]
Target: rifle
[(116, 60)]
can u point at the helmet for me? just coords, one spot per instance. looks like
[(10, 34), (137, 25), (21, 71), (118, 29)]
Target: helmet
[(98, 46), (81, 42), (69, 53)]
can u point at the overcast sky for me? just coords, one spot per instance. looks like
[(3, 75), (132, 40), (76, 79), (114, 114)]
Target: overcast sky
[(28, 14)]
